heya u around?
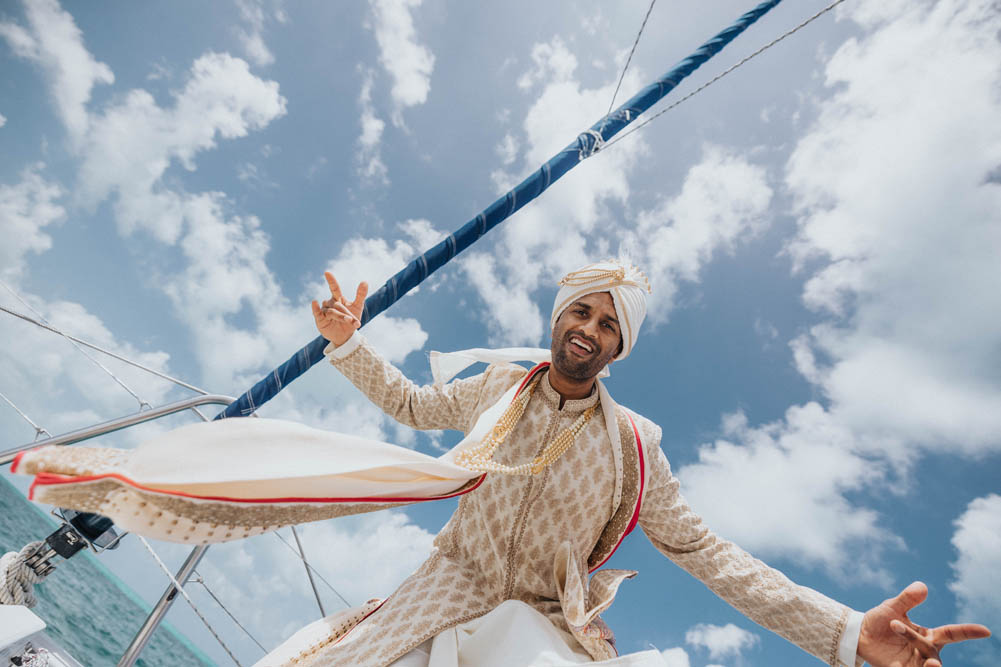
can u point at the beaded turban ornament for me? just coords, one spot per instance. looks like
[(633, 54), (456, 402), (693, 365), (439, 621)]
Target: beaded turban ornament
[(627, 285)]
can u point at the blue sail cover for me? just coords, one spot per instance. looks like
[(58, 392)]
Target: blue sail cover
[(586, 144)]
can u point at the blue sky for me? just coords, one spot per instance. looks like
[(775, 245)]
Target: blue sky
[(821, 229)]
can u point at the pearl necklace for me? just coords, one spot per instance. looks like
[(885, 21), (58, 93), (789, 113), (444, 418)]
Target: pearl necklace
[(480, 457)]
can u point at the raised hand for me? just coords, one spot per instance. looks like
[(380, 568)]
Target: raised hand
[(336, 319), (890, 639)]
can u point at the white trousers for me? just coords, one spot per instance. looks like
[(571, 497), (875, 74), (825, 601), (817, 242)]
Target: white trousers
[(512, 634)]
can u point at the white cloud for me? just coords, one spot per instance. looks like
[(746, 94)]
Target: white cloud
[(3, 120), (676, 657), (50, 380), (894, 200), (785, 486), (314, 168), (513, 314), (375, 552), (977, 570), (225, 275), (132, 143), (125, 155), (507, 149), (422, 233), (369, 157), (572, 223), (723, 199), (53, 41), (551, 63), (899, 225), (25, 209), (255, 16), (375, 260), (395, 337), (722, 641), (408, 62)]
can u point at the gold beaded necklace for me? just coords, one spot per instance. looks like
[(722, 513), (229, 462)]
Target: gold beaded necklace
[(480, 457)]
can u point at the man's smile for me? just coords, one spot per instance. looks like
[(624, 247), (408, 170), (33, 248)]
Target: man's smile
[(580, 346)]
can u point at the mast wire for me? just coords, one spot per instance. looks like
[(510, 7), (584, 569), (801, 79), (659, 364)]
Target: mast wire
[(722, 74), (142, 403), (313, 569), (201, 580), (113, 355), (38, 429), (184, 594), (630, 58)]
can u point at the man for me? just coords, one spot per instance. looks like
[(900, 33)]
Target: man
[(569, 474)]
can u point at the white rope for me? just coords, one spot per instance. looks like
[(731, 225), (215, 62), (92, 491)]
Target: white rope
[(724, 73), (17, 579), (184, 594), (124, 386)]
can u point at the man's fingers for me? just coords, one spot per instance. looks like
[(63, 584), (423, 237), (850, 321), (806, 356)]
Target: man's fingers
[(959, 632), (909, 598), (335, 289), (917, 639), (360, 295), (341, 310)]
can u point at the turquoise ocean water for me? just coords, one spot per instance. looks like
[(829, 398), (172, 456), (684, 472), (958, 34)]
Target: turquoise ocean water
[(88, 610)]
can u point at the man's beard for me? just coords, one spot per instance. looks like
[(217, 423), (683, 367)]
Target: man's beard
[(578, 369)]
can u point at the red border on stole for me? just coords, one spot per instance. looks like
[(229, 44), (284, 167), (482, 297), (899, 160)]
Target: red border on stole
[(639, 500), (51, 479)]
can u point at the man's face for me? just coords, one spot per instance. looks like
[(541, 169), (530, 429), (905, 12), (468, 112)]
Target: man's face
[(586, 336)]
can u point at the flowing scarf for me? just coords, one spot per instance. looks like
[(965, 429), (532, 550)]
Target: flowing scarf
[(233, 478)]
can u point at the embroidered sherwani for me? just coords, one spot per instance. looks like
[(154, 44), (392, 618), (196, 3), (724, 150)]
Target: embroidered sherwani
[(535, 538)]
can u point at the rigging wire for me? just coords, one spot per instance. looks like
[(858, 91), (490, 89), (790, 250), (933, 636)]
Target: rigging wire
[(309, 574), (184, 594), (38, 429), (201, 580), (313, 569), (100, 349), (630, 58), (722, 74), (142, 403)]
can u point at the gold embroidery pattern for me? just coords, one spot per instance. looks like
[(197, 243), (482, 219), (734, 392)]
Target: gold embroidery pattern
[(613, 532)]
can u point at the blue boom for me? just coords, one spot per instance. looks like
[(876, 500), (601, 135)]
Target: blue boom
[(416, 271)]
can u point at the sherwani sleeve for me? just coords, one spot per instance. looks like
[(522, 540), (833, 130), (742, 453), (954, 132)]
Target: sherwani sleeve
[(448, 406), (817, 624)]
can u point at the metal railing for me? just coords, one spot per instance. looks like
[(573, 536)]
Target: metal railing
[(7, 455), (160, 609)]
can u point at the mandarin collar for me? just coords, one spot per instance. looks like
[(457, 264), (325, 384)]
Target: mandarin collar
[(552, 397)]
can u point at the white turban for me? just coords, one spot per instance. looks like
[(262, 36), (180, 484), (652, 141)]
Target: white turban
[(624, 282)]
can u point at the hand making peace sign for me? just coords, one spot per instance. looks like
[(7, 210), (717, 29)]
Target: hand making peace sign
[(337, 319), (890, 639)]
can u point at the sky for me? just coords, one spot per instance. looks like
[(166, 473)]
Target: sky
[(821, 229)]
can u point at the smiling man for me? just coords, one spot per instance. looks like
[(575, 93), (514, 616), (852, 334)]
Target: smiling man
[(570, 474)]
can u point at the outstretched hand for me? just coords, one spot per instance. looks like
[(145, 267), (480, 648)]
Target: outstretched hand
[(336, 319), (890, 639)]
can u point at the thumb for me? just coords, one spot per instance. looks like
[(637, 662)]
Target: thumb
[(909, 598)]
